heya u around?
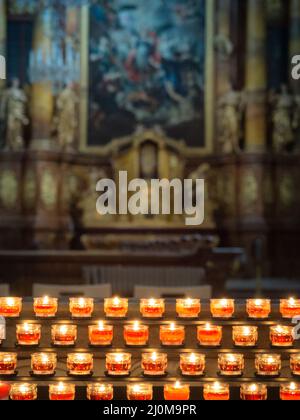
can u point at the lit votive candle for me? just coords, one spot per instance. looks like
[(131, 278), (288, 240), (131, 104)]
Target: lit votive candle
[(295, 364), (231, 364), (118, 364), (154, 364), (268, 364), (8, 363), (216, 392), (81, 307), (177, 392), (282, 336), (245, 336), (28, 334), (192, 364), (80, 364), (172, 335), (222, 308), (43, 363), (100, 392), (136, 334), (258, 308), (152, 308), (64, 335), (188, 308), (10, 307), (23, 392), (101, 334), (290, 392), (139, 392), (116, 307), (45, 307), (290, 308), (62, 392), (209, 335), (254, 392)]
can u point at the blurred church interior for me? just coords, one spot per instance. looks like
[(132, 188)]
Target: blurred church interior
[(160, 89)]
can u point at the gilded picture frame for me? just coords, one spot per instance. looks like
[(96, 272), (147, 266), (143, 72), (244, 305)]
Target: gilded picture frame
[(209, 86)]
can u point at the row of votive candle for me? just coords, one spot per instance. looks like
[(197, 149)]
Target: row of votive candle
[(153, 364), (144, 392), (46, 307), (136, 334)]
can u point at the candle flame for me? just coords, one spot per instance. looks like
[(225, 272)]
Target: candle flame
[(253, 388), (293, 386), (177, 385), (10, 301), (189, 301), (63, 329), (152, 302), (45, 300), (26, 327), (61, 387), (81, 302), (136, 325), (172, 326), (193, 358), (136, 388), (119, 358), (217, 386), (154, 356), (101, 325), (292, 301), (24, 388), (116, 301)]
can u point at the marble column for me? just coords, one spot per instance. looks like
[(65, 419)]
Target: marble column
[(2, 34), (294, 47), (256, 77), (42, 100)]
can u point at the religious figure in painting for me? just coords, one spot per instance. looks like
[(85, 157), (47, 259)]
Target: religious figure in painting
[(13, 115), (230, 112), (66, 119), (282, 119), (147, 62)]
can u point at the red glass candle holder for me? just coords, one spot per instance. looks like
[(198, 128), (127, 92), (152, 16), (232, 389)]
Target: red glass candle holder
[(245, 336), (177, 392), (80, 364), (10, 307), (8, 363), (116, 307), (268, 364), (282, 336), (290, 392), (23, 392), (258, 308), (139, 392), (254, 392), (209, 335), (64, 335), (192, 364), (43, 364), (154, 364), (222, 308), (62, 392), (136, 334), (216, 392), (295, 364), (188, 308), (152, 308), (100, 392), (118, 364), (290, 308), (45, 307), (172, 335), (81, 307), (101, 334), (28, 334), (4, 391), (231, 364)]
